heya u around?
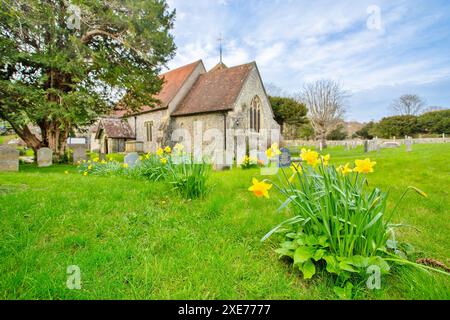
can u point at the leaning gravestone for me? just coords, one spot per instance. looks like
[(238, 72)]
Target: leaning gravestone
[(284, 159), (131, 159), (79, 152), (9, 159), (44, 157)]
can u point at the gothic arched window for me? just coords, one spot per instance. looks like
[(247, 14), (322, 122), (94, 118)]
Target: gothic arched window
[(255, 114)]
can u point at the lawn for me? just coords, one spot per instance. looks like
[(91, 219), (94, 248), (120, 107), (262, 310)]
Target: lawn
[(137, 240)]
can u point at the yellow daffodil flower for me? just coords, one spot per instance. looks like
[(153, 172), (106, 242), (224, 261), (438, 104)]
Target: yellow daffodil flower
[(163, 160), (310, 157), (345, 169), (85, 173), (160, 152), (364, 166), (90, 167), (260, 188), (325, 159), (96, 159), (273, 151), (66, 172), (178, 148), (167, 149), (147, 156), (125, 165), (103, 162)]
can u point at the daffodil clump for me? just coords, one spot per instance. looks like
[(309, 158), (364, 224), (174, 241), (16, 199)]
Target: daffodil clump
[(249, 162), (338, 223), (173, 165), (100, 167)]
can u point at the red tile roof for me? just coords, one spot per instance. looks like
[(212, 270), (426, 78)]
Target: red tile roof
[(115, 128), (173, 81), (215, 91)]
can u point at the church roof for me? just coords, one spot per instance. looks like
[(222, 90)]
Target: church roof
[(214, 91), (114, 128), (173, 81)]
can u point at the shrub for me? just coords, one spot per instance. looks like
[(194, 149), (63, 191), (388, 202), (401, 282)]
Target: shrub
[(437, 122), (339, 224)]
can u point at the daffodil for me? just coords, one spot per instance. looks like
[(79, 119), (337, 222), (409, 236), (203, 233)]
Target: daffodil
[(325, 159), (273, 151), (160, 152), (125, 165), (147, 156), (364, 166), (90, 167), (345, 169), (163, 160), (167, 149), (85, 173), (310, 157), (66, 172), (178, 148), (103, 162), (96, 159), (260, 188)]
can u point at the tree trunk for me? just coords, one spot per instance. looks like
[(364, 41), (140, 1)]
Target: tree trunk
[(56, 139)]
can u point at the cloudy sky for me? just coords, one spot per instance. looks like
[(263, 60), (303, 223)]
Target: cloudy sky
[(377, 49)]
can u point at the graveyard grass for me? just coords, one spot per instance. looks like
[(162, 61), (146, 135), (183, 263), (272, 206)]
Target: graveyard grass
[(137, 240)]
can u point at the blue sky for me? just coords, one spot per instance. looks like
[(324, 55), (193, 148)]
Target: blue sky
[(406, 50)]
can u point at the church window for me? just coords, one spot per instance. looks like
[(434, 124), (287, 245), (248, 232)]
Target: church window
[(149, 130), (255, 114)]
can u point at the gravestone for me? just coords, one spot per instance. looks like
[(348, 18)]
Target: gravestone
[(79, 152), (44, 157), (262, 156), (284, 159), (390, 145), (408, 143), (9, 158), (366, 146), (131, 159)]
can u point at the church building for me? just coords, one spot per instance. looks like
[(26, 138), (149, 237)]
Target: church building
[(220, 100)]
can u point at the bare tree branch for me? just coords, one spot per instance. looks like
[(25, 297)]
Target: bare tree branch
[(325, 100), (408, 105)]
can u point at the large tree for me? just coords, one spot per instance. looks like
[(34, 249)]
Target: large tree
[(325, 101), (63, 63), (289, 113), (408, 105)]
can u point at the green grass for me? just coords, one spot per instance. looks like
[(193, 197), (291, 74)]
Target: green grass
[(139, 240)]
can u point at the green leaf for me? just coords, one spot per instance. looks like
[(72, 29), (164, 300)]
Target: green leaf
[(332, 264), (318, 254), (345, 265), (358, 261), (381, 263), (283, 252), (344, 293), (303, 254), (289, 245), (308, 269)]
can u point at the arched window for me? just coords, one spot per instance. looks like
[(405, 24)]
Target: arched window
[(255, 114)]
